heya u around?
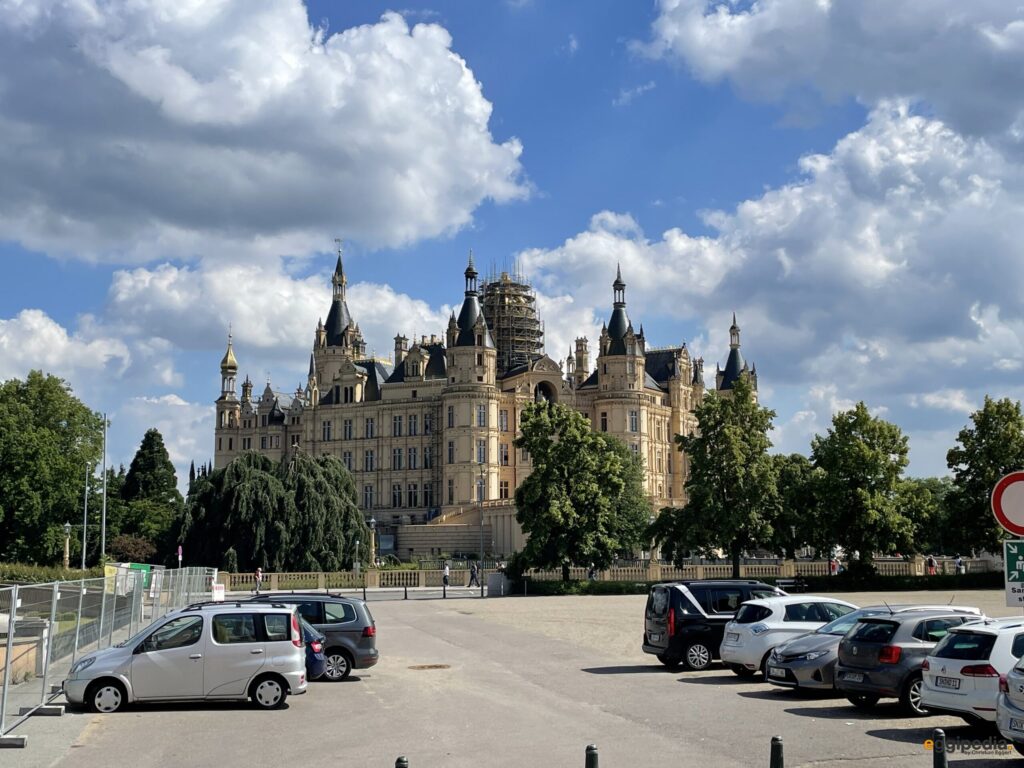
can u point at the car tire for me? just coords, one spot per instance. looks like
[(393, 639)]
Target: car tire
[(741, 671), (763, 669), (697, 657), (910, 697), (671, 662), (268, 692), (339, 664), (106, 697), (863, 700)]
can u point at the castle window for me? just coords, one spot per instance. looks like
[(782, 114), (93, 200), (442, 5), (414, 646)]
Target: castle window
[(396, 458), (451, 452), (275, 441), (263, 420), (263, 443), (414, 369), (396, 426), (428, 423), (367, 497), (634, 421), (346, 459), (295, 440), (368, 460), (604, 367), (346, 429), (503, 454), (428, 494), (325, 430), (231, 444), (413, 458), (657, 462), (370, 429), (220, 443), (414, 425), (503, 489), (451, 416), (479, 343), (481, 488), (428, 456), (481, 415), (246, 443), (451, 490), (396, 495), (604, 421), (414, 393), (635, 449), (413, 495), (337, 394), (503, 421), (479, 359), (481, 451)]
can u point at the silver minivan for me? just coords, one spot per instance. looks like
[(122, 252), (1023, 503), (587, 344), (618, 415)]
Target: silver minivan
[(219, 651)]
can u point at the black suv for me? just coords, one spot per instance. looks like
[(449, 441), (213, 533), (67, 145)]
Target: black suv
[(685, 620), (345, 621)]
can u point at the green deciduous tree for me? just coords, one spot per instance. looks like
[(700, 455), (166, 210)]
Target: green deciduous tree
[(922, 499), (795, 521), (732, 497), (990, 447), (47, 436), (862, 459), (583, 501)]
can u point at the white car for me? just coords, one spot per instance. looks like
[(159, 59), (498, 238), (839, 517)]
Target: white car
[(961, 675), (206, 651), (762, 624)]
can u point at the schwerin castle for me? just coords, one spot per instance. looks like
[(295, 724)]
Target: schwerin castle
[(428, 436)]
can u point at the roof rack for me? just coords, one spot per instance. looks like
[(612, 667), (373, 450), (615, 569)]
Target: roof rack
[(227, 604)]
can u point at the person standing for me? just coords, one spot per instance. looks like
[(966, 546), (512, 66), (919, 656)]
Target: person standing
[(447, 573), (960, 567), (474, 580), (258, 578), (930, 562)]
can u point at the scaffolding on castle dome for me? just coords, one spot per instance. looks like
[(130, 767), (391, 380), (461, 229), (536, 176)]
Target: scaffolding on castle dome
[(509, 305)]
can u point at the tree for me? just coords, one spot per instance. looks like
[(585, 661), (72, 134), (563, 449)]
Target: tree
[(47, 438), (131, 549), (796, 519), (151, 474), (990, 447), (732, 497), (583, 501), (923, 500), (862, 458)]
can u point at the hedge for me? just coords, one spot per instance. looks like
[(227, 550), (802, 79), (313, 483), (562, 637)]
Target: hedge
[(23, 573), (815, 584)]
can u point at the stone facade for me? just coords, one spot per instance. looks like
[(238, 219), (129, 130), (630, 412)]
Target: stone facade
[(428, 435)]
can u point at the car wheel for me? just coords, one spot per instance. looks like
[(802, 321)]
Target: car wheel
[(910, 697), (741, 671), (698, 657), (672, 662), (763, 669), (339, 665), (268, 692), (106, 696), (863, 700)]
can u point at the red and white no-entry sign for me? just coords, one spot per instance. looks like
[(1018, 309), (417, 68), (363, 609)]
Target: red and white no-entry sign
[(1008, 503)]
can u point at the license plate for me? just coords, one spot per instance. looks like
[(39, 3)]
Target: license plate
[(732, 636), (776, 672), (952, 683), (1016, 725), (853, 677), (655, 637)]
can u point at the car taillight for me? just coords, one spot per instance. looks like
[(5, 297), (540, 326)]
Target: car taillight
[(317, 646), (979, 670), (296, 635), (370, 631), (926, 666), (890, 654), (1004, 687), (671, 622)]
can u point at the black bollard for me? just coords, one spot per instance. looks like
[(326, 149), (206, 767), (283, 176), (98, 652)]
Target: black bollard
[(406, 594), (401, 762), (591, 756), (777, 760), (364, 593), (444, 591), (939, 757)]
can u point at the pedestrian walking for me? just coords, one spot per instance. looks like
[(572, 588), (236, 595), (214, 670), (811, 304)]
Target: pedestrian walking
[(833, 566), (592, 573), (447, 573), (960, 567), (258, 578), (930, 562), (474, 579)]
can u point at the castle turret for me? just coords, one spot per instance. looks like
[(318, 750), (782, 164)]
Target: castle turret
[(582, 367), (228, 407), (735, 365)]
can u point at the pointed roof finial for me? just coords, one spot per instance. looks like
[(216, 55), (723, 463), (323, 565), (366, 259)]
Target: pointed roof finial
[(229, 362), (471, 259), (337, 243)]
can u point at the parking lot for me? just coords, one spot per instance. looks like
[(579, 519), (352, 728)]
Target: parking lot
[(512, 682)]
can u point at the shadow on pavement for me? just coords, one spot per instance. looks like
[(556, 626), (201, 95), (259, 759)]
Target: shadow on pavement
[(920, 734), (727, 679), (633, 669), (850, 712)]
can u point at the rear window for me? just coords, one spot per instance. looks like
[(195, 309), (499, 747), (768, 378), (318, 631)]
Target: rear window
[(748, 614), (657, 604), (726, 599), (234, 628), (965, 645), (339, 613), (873, 631), (277, 625)]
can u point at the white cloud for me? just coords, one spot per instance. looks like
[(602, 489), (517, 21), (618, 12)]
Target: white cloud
[(955, 400), (966, 60), (573, 45), (235, 130), (187, 430), (627, 95), (33, 340)]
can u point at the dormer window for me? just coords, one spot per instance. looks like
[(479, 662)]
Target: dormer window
[(479, 339), (414, 369)]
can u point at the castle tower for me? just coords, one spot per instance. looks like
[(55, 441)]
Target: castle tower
[(340, 330), (228, 408), (735, 365), (510, 308), (582, 367)]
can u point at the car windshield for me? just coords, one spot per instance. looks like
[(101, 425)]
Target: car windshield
[(138, 635), (975, 646), (844, 624)]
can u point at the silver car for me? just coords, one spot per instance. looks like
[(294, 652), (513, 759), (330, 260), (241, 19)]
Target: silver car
[(217, 651)]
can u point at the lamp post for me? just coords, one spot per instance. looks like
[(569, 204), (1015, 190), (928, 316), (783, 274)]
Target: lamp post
[(67, 546), (373, 540), (355, 563), (483, 495), (85, 513), (650, 552)]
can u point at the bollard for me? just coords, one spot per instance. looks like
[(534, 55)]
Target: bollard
[(406, 594), (591, 756), (444, 591), (364, 593), (776, 758), (401, 762), (939, 757)]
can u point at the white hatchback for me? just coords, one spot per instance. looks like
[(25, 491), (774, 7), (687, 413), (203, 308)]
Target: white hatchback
[(762, 624), (961, 674), (206, 651)]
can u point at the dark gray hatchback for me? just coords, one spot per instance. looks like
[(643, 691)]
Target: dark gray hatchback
[(347, 624)]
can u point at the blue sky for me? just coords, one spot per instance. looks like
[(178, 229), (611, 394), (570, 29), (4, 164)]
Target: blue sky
[(847, 178)]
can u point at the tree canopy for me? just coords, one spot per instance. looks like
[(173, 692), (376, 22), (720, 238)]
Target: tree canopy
[(583, 501), (732, 498), (151, 474)]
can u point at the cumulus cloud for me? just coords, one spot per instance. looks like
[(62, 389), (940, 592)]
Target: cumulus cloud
[(34, 340), (966, 60), (627, 95), (187, 429), (955, 400), (235, 130)]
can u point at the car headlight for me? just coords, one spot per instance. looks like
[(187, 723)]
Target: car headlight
[(81, 665), (815, 655)]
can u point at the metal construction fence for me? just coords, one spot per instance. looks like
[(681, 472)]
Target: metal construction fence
[(45, 628)]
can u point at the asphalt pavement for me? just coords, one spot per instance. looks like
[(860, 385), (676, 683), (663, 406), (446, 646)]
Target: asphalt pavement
[(512, 682)]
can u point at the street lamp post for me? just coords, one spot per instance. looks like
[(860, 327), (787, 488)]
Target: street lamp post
[(355, 563), (85, 513), (67, 546), (373, 541)]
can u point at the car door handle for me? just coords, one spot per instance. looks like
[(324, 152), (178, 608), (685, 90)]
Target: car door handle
[(256, 650), (196, 656)]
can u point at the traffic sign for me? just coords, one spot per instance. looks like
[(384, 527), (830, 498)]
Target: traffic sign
[(1008, 503), (1013, 561)]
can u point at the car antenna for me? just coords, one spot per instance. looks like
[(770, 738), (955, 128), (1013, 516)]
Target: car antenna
[(951, 600), (887, 607)]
